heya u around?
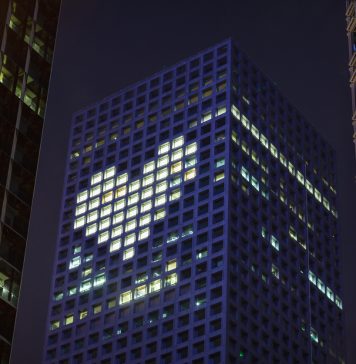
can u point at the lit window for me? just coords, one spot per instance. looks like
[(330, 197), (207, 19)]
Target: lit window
[(129, 253), (55, 325), (172, 264), (191, 148), (148, 192), (105, 211), (255, 132), (317, 194), (119, 205), (148, 180), (94, 203), (141, 277), (97, 309), (121, 179), (190, 174), (146, 206), (133, 199), (110, 172), (80, 209), (161, 187), (164, 148), (115, 245), (103, 237), (83, 314), (104, 224), (330, 294), (82, 196), (118, 218), (275, 271), (75, 262), (144, 233), (130, 239), (207, 116), (155, 285), (163, 161), (321, 285), (160, 214), (291, 168), (140, 291), (79, 222), (160, 200), (178, 142), (264, 141), (131, 212), (99, 279), (145, 219), (130, 225), (95, 191), (92, 216), (219, 176), (300, 177), (87, 271), (245, 122), (283, 160), (134, 186), (85, 286), (149, 167), (176, 167), (107, 197), (219, 162), (255, 183), (245, 174), (162, 173), (121, 191), (175, 181), (312, 277), (221, 110), (109, 185), (190, 162), (125, 297), (68, 319), (274, 242), (175, 194), (171, 280), (116, 231), (177, 154)]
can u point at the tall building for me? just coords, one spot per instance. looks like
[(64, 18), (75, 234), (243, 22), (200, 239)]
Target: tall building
[(198, 225), (27, 33), (351, 36)]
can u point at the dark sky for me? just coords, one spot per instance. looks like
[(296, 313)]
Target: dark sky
[(104, 45)]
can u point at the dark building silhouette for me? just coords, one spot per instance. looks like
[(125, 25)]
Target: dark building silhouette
[(27, 34), (198, 225)]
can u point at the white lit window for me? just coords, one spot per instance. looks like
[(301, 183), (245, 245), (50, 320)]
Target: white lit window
[(312, 277), (274, 242), (190, 174), (177, 154), (96, 178), (119, 205), (95, 191), (75, 262), (145, 219), (190, 162), (147, 192), (219, 176), (275, 271), (175, 181), (164, 148), (116, 231), (291, 168), (82, 196), (121, 179), (134, 186), (178, 142), (283, 160), (149, 167), (140, 291), (129, 253), (148, 180), (175, 194), (245, 122), (171, 280), (130, 225), (125, 297), (115, 245), (118, 218), (144, 233), (172, 264), (330, 294), (321, 285), (121, 191), (191, 148), (91, 229), (255, 132), (309, 186), (94, 203), (109, 185), (103, 237), (176, 167), (160, 214), (80, 209), (155, 285), (104, 224), (221, 110), (79, 222), (146, 206), (264, 141), (131, 212), (99, 280), (110, 172), (133, 199), (161, 187), (317, 194), (160, 200), (163, 161), (85, 286), (207, 116), (300, 177), (255, 183), (245, 173), (105, 211)]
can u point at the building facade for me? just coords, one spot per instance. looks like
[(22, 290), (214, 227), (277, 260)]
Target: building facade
[(198, 225), (27, 33), (351, 36)]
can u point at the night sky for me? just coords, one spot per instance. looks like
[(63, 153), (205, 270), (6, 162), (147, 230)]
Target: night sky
[(104, 45)]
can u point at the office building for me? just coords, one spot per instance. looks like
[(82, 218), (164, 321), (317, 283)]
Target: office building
[(27, 33), (198, 225)]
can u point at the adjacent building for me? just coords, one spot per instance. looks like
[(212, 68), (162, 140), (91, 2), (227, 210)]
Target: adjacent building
[(351, 36), (27, 33), (198, 225)]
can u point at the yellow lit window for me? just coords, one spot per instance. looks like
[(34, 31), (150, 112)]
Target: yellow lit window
[(95, 191), (83, 314), (115, 245), (144, 233), (80, 209), (130, 239), (172, 264), (164, 148), (163, 161), (134, 186), (104, 224), (116, 231), (119, 205), (155, 285), (97, 309), (146, 206), (221, 110), (149, 167), (105, 211), (219, 176), (107, 197), (160, 200), (121, 179), (87, 271), (130, 225), (145, 219), (69, 319), (191, 148), (125, 297), (129, 253), (110, 172), (79, 222), (171, 280), (118, 218), (112, 303), (147, 192), (103, 237), (160, 214), (94, 203), (175, 194), (82, 196), (55, 325), (189, 174), (176, 167), (177, 155), (162, 173), (91, 229), (140, 291), (148, 180), (133, 199), (121, 191)]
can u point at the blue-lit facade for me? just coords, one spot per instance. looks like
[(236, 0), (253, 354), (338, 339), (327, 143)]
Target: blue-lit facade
[(198, 225)]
